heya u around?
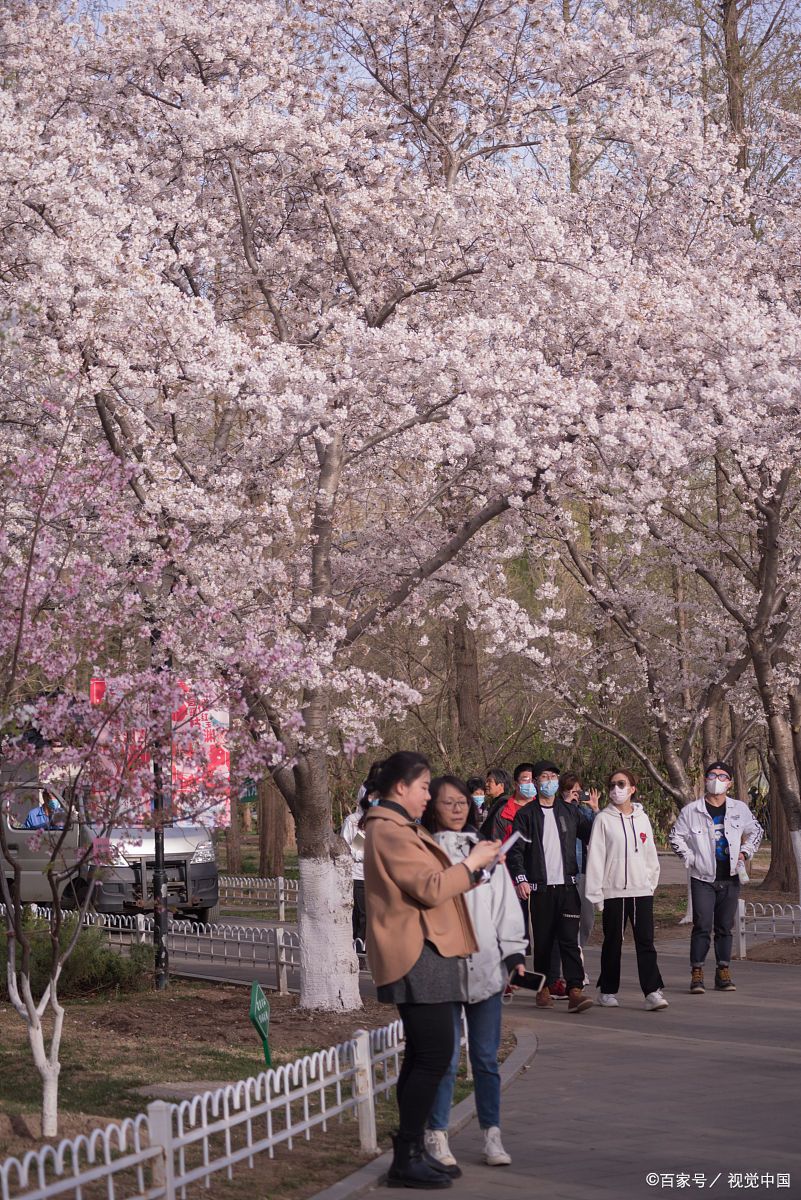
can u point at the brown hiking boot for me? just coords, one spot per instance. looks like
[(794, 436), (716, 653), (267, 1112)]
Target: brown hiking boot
[(577, 1002), (723, 980), (697, 981), (544, 998)]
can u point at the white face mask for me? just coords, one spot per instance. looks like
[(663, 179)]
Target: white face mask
[(716, 787), (619, 795)]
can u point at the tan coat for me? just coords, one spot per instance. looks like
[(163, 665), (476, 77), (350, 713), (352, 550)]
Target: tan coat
[(412, 894)]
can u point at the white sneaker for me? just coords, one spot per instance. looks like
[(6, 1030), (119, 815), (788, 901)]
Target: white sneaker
[(494, 1153), (607, 1000), (655, 1000), (437, 1146)]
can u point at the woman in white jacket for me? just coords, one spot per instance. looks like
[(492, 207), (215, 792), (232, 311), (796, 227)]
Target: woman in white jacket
[(452, 817), (622, 874)]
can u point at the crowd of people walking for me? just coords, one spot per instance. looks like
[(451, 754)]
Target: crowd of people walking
[(449, 919)]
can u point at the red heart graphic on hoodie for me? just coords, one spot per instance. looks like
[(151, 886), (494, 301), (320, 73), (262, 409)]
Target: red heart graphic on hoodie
[(643, 837)]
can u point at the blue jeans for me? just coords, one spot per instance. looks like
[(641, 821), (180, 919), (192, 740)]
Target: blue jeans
[(484, 1037)]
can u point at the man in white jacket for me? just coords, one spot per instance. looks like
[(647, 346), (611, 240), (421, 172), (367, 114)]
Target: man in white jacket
[(714, 836)]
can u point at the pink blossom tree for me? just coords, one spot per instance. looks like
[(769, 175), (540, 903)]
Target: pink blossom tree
[(340, 306)]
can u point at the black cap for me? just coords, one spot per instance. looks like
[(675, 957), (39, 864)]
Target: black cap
[(719, 765), (545, 765)]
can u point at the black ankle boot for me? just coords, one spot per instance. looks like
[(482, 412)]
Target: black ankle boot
[(409, 1168), (454, 1172)]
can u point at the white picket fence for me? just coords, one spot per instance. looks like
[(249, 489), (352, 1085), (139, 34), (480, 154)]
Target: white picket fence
[(162, 1152), (248, 891), (763, 921)]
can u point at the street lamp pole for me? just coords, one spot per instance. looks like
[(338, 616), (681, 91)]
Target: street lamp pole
[(160, 909)]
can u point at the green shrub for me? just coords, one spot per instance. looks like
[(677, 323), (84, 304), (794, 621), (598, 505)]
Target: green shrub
[(91, 969)]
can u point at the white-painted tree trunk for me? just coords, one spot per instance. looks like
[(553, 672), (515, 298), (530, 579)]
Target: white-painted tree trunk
[(329, 970), (795, 842), (49, 1069)]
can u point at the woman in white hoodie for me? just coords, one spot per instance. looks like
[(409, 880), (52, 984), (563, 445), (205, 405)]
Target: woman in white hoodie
[(452, 818), (622, 874)]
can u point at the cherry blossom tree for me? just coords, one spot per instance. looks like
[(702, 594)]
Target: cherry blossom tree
[(341, 308)]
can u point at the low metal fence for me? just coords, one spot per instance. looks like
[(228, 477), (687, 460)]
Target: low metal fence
[(159, 1154), (771, 921), (268, 895), (272, 949)]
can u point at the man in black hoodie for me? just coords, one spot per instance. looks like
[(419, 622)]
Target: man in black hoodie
[(544, 869)]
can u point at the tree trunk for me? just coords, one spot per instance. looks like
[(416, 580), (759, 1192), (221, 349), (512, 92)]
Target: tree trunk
[(712, 733), (781, 876), (50, 1103), (735, 91), (679, 600), (738, 758), (465, 663), (781, 750), (329, 970), (233, 843), (49, 1068), (272, 829)]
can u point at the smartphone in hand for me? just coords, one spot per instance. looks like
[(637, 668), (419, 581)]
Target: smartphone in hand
[(532, 981)]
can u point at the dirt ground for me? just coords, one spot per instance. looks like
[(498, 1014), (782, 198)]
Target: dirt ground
[(194, 1032), (113, 1048), (784, 950)]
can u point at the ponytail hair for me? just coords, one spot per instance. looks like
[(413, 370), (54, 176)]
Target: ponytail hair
[(369, 789)]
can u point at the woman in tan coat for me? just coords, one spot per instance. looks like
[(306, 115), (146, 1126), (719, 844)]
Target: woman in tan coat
[(418, 934)]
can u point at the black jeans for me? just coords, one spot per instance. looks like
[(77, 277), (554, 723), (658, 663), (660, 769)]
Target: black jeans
[(555, 970), (714, 907), (429, 1032), (359, 911), (639, 911), (555, 914)]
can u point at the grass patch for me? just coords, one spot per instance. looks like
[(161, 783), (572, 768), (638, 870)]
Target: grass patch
[(250, 858), (670, 904)]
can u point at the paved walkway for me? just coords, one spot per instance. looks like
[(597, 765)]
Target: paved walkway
[(710, 1086)]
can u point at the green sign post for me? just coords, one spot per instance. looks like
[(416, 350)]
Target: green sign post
[(260, 1018)]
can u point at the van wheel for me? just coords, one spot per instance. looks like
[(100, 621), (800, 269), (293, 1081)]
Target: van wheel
[(208, 916), (73, 895)]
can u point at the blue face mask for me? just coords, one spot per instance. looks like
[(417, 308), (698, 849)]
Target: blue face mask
[(478, 800), (528, 790), (549, 788), (373, 802)]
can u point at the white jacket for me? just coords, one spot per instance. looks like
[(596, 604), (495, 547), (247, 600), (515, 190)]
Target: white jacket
[(355, 839), (622, 858), (693, 836), (497, 920)]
